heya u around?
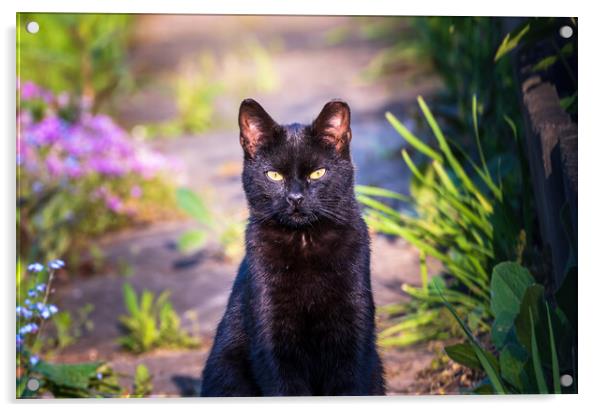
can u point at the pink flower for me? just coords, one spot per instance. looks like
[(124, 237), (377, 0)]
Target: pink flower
[(136, 191), (114, 203)]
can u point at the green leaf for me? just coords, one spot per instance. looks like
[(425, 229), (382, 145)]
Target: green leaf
[(193, 206), (130, 299), (146, 301), (475, 124), (555, 367), (512, 125), (488, 362), (567, 102), (531, 306), (544, 63), (510, 42), (539, 376), (513, 359), (502, 325), (415, 142), (71, 375), (508, 285), (143, 385), (380, 192), (451, 159), (192, 241), (484, 389), (464, 354)]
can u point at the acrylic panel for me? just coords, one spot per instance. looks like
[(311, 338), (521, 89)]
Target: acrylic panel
[(220, 205)]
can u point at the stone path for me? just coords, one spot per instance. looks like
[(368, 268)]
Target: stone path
[(310, 73)]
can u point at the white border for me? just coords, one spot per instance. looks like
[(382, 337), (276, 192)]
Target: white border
[(589, 160)]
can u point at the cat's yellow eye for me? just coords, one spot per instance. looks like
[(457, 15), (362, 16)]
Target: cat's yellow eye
[(316, 174), (275, 176)]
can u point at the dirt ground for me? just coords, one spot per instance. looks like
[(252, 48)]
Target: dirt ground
[(311, 72)]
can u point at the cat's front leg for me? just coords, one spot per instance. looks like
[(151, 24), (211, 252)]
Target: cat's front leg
[(279, 375)]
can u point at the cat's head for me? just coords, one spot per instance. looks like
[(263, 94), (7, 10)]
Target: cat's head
[(297, 175)]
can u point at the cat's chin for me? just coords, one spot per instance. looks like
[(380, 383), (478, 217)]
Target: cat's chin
[(297, 220)]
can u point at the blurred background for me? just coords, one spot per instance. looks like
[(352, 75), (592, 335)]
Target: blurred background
[(129, 174)]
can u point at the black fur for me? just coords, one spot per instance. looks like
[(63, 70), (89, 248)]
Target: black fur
[(300, 318)]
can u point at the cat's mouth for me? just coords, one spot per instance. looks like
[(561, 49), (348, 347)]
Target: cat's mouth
[(298, 217)]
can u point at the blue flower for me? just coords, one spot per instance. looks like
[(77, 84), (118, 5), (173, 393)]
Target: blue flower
[(41, 287), (35, 267), (53, 309), (29, 328), (45, 313), (32, 293), (27, 302), (56, 264), (99, 376), (24, 312), (19, 340), (34, 360), (39, 306)]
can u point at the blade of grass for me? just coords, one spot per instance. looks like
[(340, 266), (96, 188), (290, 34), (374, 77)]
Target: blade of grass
[(410, 322), (475, 123), (456, 166), (492, 374), (539, 377), (424, 273), (483, 224), (444, 177), (380, 192), (415, 142), (555, 367)]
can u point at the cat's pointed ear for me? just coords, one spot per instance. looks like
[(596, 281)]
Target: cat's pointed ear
[(333, 124), (256, 126)]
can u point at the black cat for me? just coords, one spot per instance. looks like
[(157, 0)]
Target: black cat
[(300, 318)]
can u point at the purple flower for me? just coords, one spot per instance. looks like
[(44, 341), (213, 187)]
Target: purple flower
[(35, 267), (53, 309), (20, 340), (32, 293), (114, 203), (34, 360), (56, 264), (37, 186), (41, 287), (55, 165), (29, 90), (99, 376), (136, 191), (47, 132)]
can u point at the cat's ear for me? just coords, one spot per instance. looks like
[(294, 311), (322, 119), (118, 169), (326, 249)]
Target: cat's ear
[(256, 126), (333, 124)]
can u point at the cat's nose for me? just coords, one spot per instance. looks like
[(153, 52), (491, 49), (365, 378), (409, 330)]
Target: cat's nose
[(294, 199)]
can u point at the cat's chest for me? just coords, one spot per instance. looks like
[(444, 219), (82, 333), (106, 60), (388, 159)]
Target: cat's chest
[(306, 250)]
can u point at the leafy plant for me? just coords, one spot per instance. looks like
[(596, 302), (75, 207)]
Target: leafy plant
[(533, 343), (229, 232), (205, 78), (151, 323), (70, 327), (143, 382), (77, 170), (82, 54), (36, 375), (459, 216)]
